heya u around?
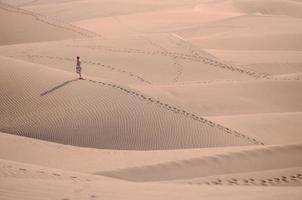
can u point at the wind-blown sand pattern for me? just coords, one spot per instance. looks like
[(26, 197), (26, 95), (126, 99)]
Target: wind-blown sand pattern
[(180, 99)]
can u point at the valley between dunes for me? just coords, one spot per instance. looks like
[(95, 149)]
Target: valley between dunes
[(180, 99)]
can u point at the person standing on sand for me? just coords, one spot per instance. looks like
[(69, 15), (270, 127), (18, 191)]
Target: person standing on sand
[(78, 67)]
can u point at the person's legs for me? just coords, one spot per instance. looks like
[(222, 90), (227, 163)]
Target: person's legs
[(80, 73)]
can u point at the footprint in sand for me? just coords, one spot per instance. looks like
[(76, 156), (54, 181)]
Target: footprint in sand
[(56, 174)]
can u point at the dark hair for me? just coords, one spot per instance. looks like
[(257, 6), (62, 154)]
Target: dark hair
[(78, 57)]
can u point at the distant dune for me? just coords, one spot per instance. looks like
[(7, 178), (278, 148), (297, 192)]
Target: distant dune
[(233, 97), (270, 127), (19, 30), (290, 8)]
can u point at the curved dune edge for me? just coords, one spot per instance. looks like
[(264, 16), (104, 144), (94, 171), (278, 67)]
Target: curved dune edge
[(16, 168), (10, 170), (266, 158), (49, 29), (166, 127), (90, 160)]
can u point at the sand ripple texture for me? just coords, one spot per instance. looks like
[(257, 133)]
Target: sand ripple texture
[(194, 170), (95, 113)]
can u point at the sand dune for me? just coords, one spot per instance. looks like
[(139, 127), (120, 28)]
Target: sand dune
[(138, 127), (99, 189), (65, 9), (215, 159), (181, 99), (11, 169), (121, 59), (232, 97), (247, 32), (122, 159), (259, 56), (289, 177), (270, 7), (270, 62), (264, 126), (90, 160), (250, 160), (15, 23)]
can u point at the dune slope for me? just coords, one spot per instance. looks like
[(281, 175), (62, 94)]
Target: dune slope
[(137, 60), (232, 97), (275, 157), (107, 115), (16, 23)]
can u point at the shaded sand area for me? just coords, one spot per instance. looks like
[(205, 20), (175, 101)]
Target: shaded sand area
[(180, 99)]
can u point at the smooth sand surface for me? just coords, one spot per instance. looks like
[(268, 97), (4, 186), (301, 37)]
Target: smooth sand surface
[(233, 97), (180, 99), (19, 30)]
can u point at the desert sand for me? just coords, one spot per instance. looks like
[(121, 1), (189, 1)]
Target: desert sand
[(181, 99)]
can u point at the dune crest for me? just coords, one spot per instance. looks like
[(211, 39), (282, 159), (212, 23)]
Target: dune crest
[(140, 132)]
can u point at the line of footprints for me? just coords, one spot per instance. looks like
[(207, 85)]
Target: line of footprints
[(109, 67), (49, 21), (179, 111), (164, 105), (73, 178), (44, 172), (253, 181), (196, 57)]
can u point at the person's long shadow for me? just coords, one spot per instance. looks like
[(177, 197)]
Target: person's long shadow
[(58, 87)]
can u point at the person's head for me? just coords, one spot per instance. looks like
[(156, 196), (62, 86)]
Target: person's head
[(78, 57)]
